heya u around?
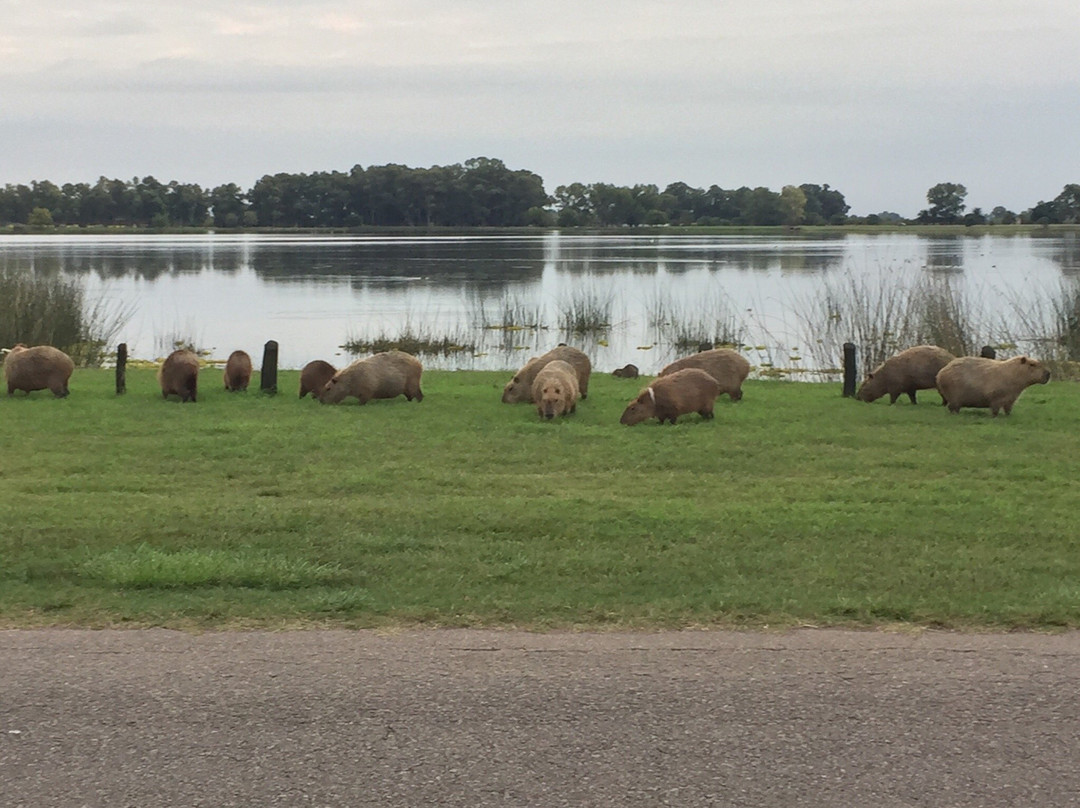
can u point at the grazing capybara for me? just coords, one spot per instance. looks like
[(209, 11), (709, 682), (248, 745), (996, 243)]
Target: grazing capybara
[(668, 397), (179, 375), (385, 375), (908, 371), (626, 372), (42, 367), (972, 381), (723, 364), (238, 371), (314, 376), (519, 389), (555, 389)]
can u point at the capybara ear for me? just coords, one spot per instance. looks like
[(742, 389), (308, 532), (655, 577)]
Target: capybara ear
[(869, 376), (1023, 360)]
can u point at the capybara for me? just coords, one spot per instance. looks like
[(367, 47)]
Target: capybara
[(179, 375), (626, 372), (314, 376), (972, 381), (519, 389), (384, 375), (668, 397), (908, 371), (238, 371), (723, 364), (555, 389), (39, 368)]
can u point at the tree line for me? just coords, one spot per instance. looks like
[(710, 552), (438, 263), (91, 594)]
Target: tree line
[(481, 192)]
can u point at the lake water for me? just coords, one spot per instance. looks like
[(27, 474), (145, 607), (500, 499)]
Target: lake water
[(312, 294)]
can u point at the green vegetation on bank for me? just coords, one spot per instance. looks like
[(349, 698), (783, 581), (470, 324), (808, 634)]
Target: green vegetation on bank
[(481, 192), (792, 506)]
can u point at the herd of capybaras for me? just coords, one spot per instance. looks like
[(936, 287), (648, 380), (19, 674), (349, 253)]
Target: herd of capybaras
[(556, 381)]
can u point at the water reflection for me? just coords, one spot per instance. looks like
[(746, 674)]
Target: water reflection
[(508, 295)]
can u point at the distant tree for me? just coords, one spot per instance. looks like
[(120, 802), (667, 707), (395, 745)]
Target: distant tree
[(40, 217), (1067, 204), (824, 205), (573, 205), (227, 205), (1001, 215), (946, 203), (975, 217), (792, 204)]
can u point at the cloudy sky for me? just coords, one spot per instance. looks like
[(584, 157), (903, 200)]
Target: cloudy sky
[(880, 100)]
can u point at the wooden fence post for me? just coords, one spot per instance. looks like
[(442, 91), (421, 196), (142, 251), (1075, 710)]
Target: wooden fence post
[(268, 377), (988, 352), (121, 368), (851, 374)]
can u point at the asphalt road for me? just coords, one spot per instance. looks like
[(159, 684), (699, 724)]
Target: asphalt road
[(499, 718)]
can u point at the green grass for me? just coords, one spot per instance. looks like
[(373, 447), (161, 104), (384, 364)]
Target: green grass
[(793, 506)]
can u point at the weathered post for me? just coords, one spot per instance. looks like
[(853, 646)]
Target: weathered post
[(121, 368), (850, 372), (268, 377), (988, 352)]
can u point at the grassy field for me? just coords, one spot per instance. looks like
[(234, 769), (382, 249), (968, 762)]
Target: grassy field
[(793, 506)]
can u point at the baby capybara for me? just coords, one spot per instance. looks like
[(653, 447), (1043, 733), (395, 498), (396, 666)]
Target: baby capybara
[(678, 393), (972, 381), (385, 375), (519, 389), (914, 369), (314, 376), (555, 389), (626, 372), (726, 366), (179, 375), (238, 371), (42, 367)]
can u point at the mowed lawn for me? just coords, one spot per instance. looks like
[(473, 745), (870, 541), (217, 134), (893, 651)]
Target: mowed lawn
[(793, 506)]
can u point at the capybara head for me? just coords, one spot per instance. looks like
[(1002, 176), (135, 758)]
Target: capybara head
[(640, 409), (552, 401), (871, 389), (1032, 370), (333, 391)]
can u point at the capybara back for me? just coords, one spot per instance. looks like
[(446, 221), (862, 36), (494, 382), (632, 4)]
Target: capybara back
[(238, 371)]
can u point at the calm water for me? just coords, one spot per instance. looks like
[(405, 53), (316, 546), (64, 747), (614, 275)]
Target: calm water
[(311, 294)]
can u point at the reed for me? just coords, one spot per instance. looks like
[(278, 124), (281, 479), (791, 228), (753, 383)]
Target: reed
[(53, 310), (586, 312), (885, 314), (711, 321), (413, 340)]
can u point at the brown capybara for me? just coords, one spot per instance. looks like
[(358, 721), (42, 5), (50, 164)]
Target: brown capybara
[(555, 389), (668, 397), (238, 371), (723, 364), (314, 376), (972, 381), (384, 375), (519, 389), (908, 371), (626, 372), (179, 375), (42, 367)]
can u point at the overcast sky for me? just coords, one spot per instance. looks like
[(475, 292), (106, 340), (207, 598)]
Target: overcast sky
[(881, 100)]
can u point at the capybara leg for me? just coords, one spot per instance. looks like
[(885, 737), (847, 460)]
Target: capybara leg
[(893, 397), (911, 395), (706, 414), (737, 395)]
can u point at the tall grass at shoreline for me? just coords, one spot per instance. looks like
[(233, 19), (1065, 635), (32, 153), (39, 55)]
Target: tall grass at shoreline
[(53, 310), (686, 327), (883, 315)]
